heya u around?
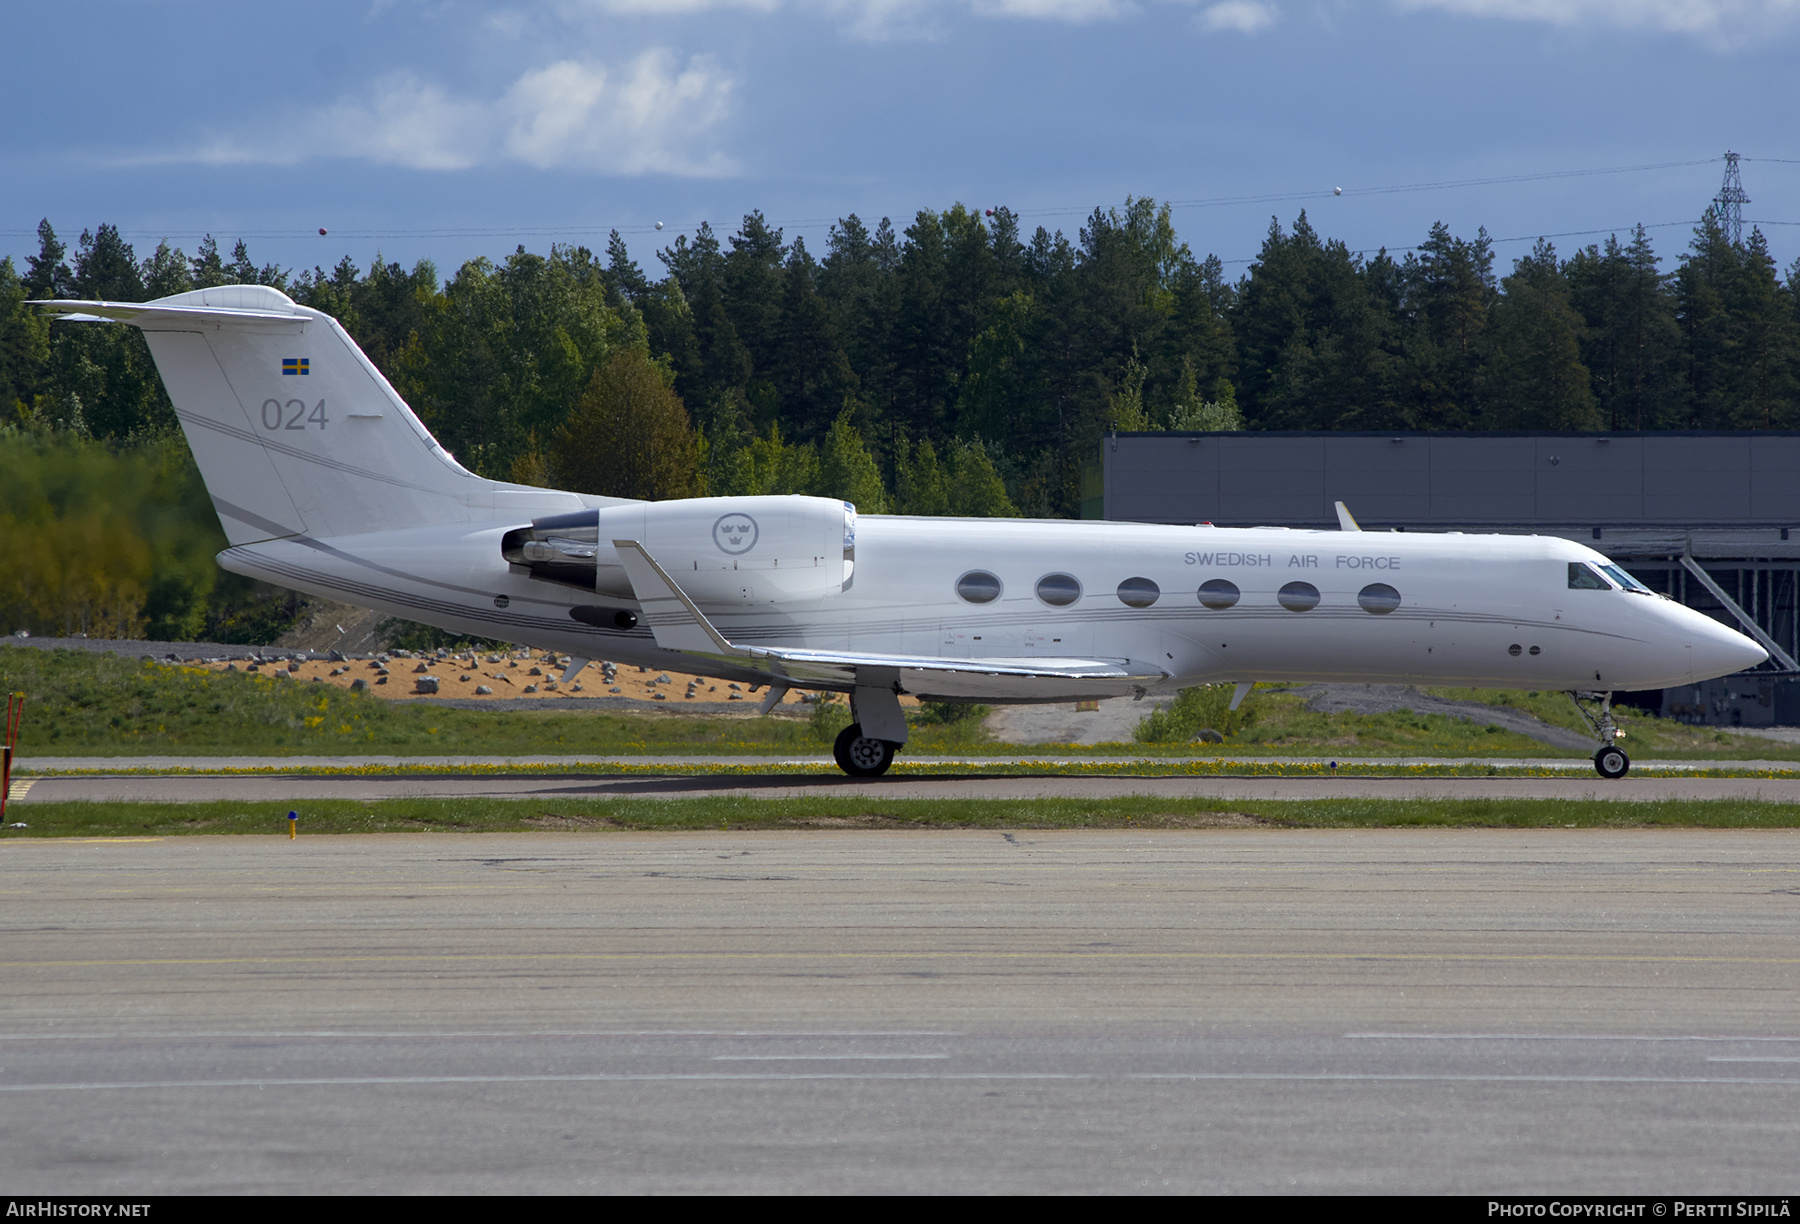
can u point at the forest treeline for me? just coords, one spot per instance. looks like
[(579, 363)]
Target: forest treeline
[(958, 366)]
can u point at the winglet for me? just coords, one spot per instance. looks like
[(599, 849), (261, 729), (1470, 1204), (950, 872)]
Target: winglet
[(1345, 521), (673, 618)]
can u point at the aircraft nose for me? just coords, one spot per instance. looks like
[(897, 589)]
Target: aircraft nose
[(1719, 651)]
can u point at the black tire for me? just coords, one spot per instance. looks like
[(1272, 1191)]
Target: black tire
[(859, 756), (1611, 762)]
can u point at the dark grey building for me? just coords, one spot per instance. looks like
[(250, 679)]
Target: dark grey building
[(1703, 517)]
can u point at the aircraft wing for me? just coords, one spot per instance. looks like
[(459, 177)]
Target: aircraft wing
[(678, 624)]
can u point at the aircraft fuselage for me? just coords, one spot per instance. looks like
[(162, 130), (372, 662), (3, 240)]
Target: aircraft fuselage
[(1448, 609)]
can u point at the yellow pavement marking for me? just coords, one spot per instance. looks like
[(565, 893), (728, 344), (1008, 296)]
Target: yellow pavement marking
[(18, 788)]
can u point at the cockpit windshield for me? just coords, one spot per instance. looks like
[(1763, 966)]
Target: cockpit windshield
[(1625, 580), (1584, 577)]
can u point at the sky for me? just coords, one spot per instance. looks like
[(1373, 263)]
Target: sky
[(449, 129)]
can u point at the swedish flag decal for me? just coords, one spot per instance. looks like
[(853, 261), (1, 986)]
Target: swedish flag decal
[(296, 365)]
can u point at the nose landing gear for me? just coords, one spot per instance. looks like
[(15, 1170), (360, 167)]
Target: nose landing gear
[(1610, 761)]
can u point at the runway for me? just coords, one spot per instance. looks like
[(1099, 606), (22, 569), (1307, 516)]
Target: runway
[(279, 788), (1321, 1011)]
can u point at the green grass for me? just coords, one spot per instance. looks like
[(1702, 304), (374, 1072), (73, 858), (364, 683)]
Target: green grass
[(734, 813), (83, 704), (1280, 725)]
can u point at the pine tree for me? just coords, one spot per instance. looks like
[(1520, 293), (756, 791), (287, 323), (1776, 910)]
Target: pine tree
[(629, 435), (1632, 348), (812, 377), (165, 273), (106, 269), (1538, 380), (847, 470), (46, 275)]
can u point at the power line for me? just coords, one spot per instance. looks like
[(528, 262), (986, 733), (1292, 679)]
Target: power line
[(542, 231), (1441, 185)]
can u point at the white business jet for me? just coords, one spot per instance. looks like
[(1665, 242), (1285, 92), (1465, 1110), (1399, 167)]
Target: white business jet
[(327, 483)]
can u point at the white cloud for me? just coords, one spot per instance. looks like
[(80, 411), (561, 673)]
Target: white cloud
[(653, 115), (872, 18), (1073, 11), (1721, 21), (1240, 16), (641, 121), (672, 8)]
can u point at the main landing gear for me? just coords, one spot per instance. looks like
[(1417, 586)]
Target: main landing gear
[(862, 756), (867, 746), (1610, 761)]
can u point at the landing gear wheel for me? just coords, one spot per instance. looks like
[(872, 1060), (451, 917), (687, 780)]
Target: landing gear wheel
[(1611, 762), (859, 756)]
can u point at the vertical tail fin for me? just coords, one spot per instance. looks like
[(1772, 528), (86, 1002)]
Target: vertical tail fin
[(294, 430)]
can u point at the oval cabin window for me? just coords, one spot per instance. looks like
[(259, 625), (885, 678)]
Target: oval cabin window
[(978, 587), (1138, 592), (1058, 590), (1219, 594), (1298, 596), (1379, 598)]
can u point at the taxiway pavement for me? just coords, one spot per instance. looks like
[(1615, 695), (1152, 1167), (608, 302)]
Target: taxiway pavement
[(283, 788), (1468, 1011)]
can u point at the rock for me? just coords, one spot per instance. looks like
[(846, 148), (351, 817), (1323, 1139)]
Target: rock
[(359, 685), (466, 679), (659, 696), (536, 671), (482, 690), (531, 688), (663, 679), (425, 684), (614, 689), (381, 679), (335, 656), (420, 670), (293, 667)]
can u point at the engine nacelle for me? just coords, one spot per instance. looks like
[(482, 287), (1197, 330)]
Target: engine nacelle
[(720, 550)]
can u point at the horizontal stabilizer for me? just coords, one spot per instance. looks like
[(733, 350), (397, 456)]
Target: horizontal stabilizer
[(148, 314)]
